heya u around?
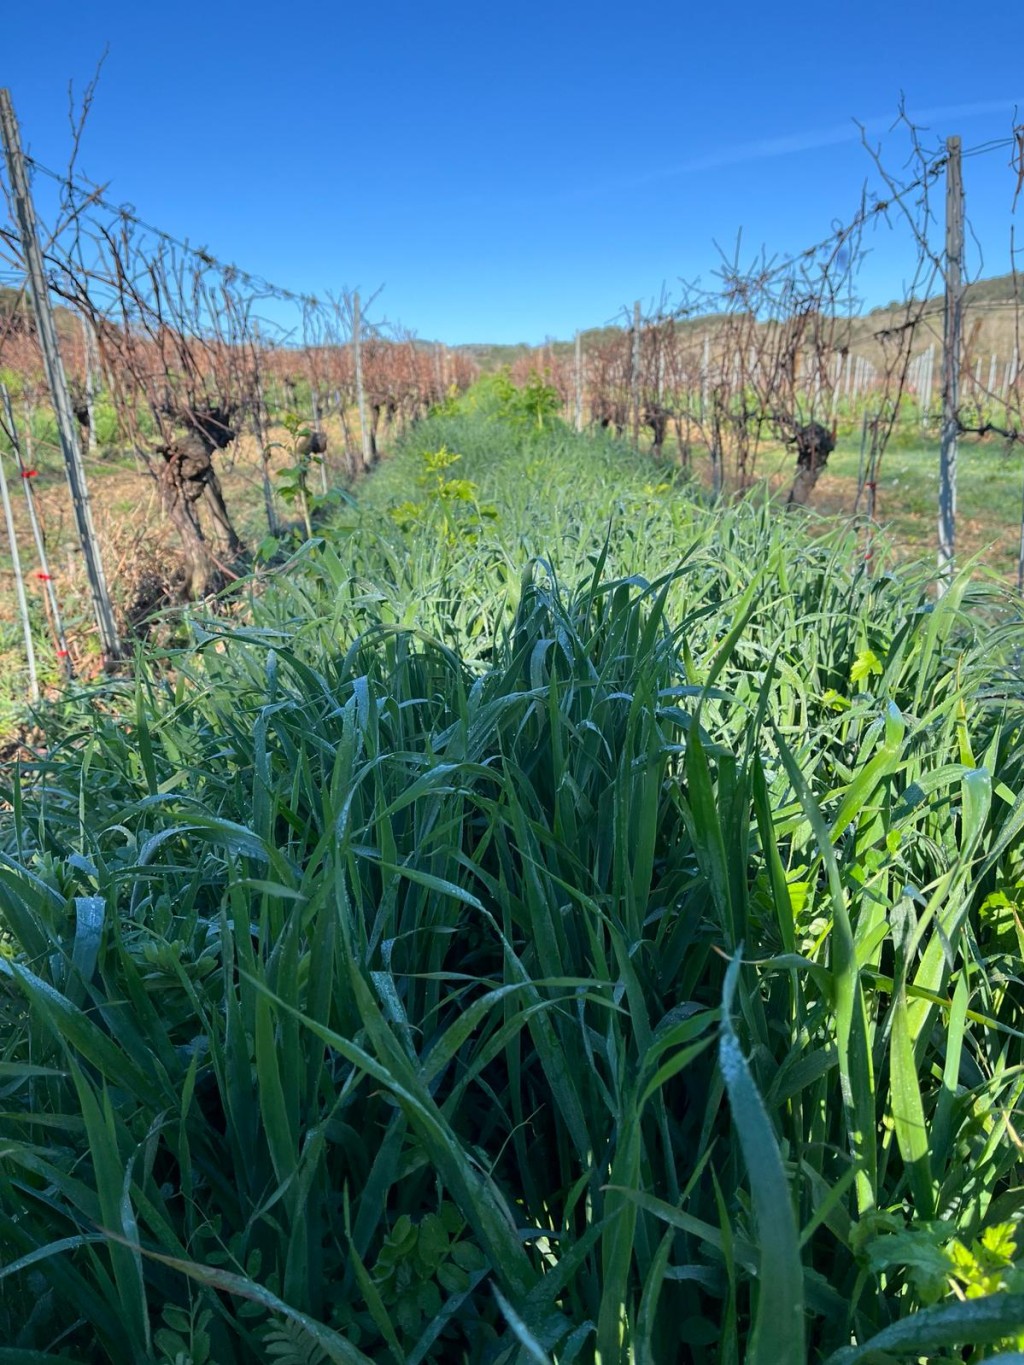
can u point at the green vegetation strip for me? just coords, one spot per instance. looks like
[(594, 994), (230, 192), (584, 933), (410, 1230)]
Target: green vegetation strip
[(550, 919)]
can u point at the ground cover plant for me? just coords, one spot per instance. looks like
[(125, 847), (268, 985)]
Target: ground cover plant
[(551, 918), (989, 495)]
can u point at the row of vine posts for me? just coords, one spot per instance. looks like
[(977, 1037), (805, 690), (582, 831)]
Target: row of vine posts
[(192, 354), (781, 352)]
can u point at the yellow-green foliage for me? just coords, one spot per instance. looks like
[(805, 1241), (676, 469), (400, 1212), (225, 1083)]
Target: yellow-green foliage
[(453, 501)]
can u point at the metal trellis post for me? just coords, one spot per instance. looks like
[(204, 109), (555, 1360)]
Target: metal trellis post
[(951, 362), (67, 425), (578, 374), (634, 375), (357, 352)]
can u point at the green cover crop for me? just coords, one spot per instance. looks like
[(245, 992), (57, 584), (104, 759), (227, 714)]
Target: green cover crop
[(558, 921)]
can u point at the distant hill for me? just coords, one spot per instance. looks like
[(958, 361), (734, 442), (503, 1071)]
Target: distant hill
[(989, 326), (990, 320), (492, 356), (14, 304), (999, 289), (11, 302)]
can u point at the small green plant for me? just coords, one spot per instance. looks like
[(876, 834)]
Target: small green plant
[(538, 401), (12, 381), (107, 428), (288, 1344), (940, 1267), (450, 406), (184, 1338), (420, 1265), (293, 480), (462, 513), (533, 408)]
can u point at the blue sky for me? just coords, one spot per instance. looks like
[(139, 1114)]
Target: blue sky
[(513, 174)]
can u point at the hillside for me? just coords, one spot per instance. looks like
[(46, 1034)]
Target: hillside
[(16, 314), (989, 311)]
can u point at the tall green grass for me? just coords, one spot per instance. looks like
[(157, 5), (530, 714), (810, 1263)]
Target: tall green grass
[(586, 932)]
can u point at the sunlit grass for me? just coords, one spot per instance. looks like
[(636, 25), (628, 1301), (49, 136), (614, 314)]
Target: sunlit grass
[(586, 931)]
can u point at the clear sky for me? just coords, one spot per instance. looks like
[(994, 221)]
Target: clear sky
[(513, 173)]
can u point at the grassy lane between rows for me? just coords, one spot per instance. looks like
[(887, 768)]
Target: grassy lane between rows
[(990, 494), (550, 920)]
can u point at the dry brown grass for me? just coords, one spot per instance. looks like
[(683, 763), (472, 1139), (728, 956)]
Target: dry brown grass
[(140, 551)]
